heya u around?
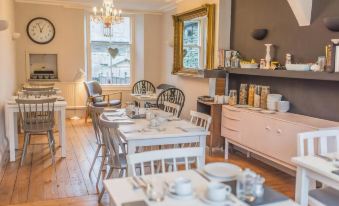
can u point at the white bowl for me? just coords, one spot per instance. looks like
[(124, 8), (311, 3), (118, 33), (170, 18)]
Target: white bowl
[(274, 97), (272, 105), (283, 106)]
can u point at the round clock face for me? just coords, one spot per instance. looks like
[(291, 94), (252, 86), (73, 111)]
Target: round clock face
[(41, 30)]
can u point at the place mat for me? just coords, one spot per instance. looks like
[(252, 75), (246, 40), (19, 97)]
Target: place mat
[(270, 195)]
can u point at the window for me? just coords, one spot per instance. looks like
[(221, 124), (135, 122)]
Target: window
[(111, 56), (194, 41)]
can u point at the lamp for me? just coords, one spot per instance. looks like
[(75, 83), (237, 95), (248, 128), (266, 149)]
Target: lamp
[(3, 25), (78, 77)]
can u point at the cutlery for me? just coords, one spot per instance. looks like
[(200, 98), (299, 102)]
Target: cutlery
[(328, 159), (134, 184), (202, 175), (181, 129)]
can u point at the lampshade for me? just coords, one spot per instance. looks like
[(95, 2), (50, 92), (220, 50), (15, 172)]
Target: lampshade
[(3, 24), (79, 75)]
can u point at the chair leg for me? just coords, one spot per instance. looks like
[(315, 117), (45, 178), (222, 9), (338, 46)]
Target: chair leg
[(50, 144), (53, 141), (103, 160), (24, 151), (103, 188), (95, 158)]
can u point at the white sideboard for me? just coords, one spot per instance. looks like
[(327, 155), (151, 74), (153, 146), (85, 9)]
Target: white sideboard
[(272, 136)]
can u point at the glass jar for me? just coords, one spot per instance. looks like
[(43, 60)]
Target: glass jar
[(233, 97), (251, 92), (257, 94), (265, 90), (243, 94)]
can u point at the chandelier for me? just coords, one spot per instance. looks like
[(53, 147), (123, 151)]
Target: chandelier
[(108, 16)]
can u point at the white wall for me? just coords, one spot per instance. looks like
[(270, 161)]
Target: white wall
[(192, 87), (148, 35), (7, 66), (70, 45)]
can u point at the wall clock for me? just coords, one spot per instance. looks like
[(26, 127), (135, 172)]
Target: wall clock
[(40, 30)]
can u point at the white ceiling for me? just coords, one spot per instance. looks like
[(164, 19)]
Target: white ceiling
[(133, 5)]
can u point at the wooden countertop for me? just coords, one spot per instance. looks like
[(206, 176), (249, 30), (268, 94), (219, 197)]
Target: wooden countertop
[(294, 118)]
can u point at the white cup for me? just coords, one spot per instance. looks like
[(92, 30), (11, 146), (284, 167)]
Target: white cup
[(217, 191), (283, 106), (183, 186)]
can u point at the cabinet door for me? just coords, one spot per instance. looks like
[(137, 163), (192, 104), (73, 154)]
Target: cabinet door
[(252, 130), (283, 140)]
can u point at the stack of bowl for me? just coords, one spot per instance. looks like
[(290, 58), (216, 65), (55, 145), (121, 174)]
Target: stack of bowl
[(272, 101)]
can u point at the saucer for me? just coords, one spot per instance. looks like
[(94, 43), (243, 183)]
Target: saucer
[(225, 202), (173, 195)]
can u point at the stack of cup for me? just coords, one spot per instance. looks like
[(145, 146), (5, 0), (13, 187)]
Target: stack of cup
[(272, 101)]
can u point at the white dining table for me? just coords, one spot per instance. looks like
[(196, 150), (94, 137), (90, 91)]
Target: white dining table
[(121, 191), (11, 118), (143, 98), (138, 134), (313, 168)]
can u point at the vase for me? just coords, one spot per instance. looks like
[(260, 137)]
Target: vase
[(268, 57)]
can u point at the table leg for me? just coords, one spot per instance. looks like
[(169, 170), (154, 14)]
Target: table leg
[(15, 122), (202, 143), (131, 150), (11, 133), (301, 187), (226, 149), (62, 131)]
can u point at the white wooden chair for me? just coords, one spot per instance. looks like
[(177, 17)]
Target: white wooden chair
[(198, 119), (116, 149), (201, 119), (156, 158), (172, 108), (319, 143)]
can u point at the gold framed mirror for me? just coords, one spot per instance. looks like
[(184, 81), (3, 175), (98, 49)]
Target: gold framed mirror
[(194, 37)]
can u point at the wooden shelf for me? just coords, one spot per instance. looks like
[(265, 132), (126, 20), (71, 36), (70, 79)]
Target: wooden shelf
[(324, 76)]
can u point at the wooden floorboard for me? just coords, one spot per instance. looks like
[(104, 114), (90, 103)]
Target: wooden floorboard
[(38, 182)]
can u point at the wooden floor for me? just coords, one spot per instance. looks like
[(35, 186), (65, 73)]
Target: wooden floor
[(37, 182)]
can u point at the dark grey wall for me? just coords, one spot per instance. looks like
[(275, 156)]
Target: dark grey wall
[(309, 97), (304, 43)]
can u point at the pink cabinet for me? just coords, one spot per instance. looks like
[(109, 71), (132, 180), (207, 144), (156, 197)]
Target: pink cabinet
[(273, 136), (230, 124)]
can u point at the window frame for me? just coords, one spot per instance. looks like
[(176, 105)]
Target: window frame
[(132, 55)]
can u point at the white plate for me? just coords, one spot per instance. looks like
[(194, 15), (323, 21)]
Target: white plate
[(173, 195), (222, 170), (210, 202), (267, 111)]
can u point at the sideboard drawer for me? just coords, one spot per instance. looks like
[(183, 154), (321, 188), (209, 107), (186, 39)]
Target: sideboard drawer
[(231, 133), (230, 122), (231, 112)]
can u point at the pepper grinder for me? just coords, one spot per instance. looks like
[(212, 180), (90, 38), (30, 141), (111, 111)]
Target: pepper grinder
[(268, 57)]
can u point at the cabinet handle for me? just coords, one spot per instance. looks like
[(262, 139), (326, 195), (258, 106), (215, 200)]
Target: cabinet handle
[(268, 128), (279, 131)]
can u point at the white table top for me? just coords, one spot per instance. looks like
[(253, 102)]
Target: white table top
[(121, 190), (317, 165), (139, 129), (145, 97)]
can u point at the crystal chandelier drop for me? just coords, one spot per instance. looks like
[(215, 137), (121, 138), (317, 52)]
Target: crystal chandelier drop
[(107, 15)]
